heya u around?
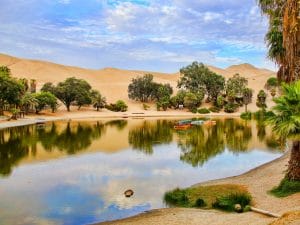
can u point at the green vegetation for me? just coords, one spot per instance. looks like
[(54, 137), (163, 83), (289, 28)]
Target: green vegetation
[(193, 100), (203, 111), (216, 196), (214, 109), (230, 107), (286, 123), (246, 116), (261, 99), (286, 188), (44, 99), (228, 202), (98, 100), (119, 106), (272, 82)]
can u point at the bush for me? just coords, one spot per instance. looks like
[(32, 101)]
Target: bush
[(220, 101), (230, 107), (119, 106), (214, 109), (203, 111), (145, 106), (200, 203), (286, 188), (194, 110), (177, 197), (246, 115), (227, 202)]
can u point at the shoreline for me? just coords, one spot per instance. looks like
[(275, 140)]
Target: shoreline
[(93, 115), (256, 180)]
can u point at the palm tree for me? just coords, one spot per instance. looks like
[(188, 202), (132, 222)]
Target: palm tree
[(286, 123), (283, 36), (98, 100), (27, 102)]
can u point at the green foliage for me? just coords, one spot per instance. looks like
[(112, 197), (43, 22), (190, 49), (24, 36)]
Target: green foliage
[(163, 103), (44, 99), (230, 107), (261, 99), (227, 202), (286, 188), (246, 115), (286, 118), (145, 106), (98, 100), (10, 89), (235, 87), (272, 82), (247, 97), (193, 100), (177, 197), (214, 109), (203, 111), (204, 196), (197, 77), (220, 101), (71, 91), (28, 101), (142, 88), (178, 99), (119, 106)]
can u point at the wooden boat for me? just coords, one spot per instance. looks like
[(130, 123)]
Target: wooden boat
[(183, 124), (197, 122)]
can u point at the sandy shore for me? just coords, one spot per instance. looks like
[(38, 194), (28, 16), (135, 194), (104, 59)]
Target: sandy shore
[(87, 114), (258, 181)]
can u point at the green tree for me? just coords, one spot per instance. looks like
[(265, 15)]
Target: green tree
[(98, 100), (45, 99), (214, 85), (286, 123), (73, 91), (10, 89), (178, 99), (193, 77), (193, 100), (261, 99), (142, 88), (247, 97), (235, 87), (28, 101), (272, 82), (48, 87)]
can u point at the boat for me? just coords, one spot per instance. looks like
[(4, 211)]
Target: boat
[(197, 122), (183, 124)]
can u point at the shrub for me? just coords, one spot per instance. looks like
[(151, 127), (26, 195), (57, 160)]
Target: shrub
[(119, 106), (177, 197), (227, 202), (203, 111), (145, 106), (200, 203), (286, 188), (194, 110), (214, 109), (230, 107), (220, 101), (246, 115)]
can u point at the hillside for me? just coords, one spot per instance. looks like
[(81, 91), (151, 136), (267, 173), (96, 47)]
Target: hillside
[(112, 82)]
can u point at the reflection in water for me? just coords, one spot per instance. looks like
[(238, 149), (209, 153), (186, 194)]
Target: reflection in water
[(86, 188), (148, 134)]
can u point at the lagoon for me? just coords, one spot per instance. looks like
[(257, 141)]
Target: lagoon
[(75, 172)]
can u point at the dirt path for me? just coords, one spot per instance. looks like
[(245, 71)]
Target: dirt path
[(258, 181)]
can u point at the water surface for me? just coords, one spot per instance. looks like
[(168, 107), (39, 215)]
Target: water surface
[(76, 172)]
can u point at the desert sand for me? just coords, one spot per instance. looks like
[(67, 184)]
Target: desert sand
[(113, 83), (258, 181)]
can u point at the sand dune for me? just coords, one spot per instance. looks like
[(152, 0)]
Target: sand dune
[(112, 82)]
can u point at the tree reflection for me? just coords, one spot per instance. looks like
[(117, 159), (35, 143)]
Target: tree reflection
[(16, 143), (149, 134), (201, 143)]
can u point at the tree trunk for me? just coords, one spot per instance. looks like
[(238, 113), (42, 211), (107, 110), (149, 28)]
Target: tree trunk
[(294, 163), (68, 107), (246, 110)]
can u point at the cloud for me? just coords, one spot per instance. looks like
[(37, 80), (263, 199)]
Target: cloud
[(177, 32)]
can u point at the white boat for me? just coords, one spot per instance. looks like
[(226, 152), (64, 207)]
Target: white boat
[(197, 122)]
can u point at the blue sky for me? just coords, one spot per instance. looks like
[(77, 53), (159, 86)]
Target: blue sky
[(156, 35)]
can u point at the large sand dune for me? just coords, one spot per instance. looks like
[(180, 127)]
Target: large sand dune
[(112, 82)]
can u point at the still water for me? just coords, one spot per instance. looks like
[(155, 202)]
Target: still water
[(76, 172)]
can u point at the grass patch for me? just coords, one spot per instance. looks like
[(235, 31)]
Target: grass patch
[(203, 111), (227, 202), (286, 188), (202, 196)]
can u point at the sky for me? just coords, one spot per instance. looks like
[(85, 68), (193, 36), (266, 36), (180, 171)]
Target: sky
[(154, 35)]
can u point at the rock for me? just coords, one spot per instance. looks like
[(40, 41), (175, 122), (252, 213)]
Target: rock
[(128, 193), (238, 208)]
